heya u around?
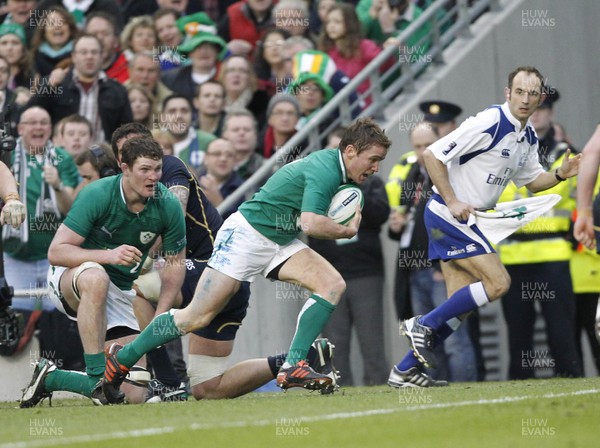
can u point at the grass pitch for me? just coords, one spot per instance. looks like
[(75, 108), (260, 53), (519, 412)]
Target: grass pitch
[(542, 413)]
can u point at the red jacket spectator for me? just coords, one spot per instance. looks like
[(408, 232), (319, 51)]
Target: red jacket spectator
[(119, 70), (243, 23)]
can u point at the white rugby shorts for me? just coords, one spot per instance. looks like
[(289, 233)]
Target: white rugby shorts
[(242, 253), (119, 303)]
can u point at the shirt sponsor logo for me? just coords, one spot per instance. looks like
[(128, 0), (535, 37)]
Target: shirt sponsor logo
[(451, 146), (494, 179), (455, 251)]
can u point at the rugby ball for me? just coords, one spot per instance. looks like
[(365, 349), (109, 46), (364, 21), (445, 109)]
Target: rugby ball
[(343, 204)]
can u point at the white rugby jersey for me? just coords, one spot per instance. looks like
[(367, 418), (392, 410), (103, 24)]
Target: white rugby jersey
[(485, 153)]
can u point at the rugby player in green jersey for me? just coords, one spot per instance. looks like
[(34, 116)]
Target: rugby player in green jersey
[(96, 255)]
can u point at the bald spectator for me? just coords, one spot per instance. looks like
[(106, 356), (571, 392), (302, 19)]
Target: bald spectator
[(47, 177)]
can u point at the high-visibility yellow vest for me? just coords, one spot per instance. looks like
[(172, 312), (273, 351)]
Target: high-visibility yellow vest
[(543, 239), (397, 176), (585, 266)]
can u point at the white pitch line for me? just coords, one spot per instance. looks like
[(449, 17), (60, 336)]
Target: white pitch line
[(305, 419)]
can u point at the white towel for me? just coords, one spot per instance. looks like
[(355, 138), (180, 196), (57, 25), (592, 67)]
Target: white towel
[(508, 217)]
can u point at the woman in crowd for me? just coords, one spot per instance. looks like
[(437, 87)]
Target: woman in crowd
[(142, 104), (138, 36), (241, 88), (52, 42), (12, 47), (269, 65)]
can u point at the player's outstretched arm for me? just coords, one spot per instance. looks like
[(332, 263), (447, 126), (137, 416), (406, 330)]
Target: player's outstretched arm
[(588, 172), (569, 168), (65, 250)]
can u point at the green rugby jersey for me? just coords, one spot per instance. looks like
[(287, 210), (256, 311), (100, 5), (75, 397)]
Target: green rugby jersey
[(305, 185), (100, 215)]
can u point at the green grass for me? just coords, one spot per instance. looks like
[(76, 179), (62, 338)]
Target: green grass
[(543, 413)]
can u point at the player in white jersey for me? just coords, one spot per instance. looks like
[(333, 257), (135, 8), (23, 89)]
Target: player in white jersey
[(470, 168)]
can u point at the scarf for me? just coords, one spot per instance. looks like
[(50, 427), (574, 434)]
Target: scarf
[(78, 8), (46, 203), (63, 52), (241, 102)]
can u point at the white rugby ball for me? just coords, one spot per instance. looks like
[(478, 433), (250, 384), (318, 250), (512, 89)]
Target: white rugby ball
[(343, 204)]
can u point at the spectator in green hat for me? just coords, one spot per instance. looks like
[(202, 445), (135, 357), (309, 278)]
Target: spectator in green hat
[(203, 48), (312, 92), (13, 48), (19, 12)]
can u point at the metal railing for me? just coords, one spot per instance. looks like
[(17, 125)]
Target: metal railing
[(449, 19)]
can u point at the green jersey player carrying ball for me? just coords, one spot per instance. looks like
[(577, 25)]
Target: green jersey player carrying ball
[(260, 239)]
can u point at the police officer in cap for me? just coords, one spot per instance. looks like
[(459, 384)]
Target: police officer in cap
[(441, 114), (550, 147)]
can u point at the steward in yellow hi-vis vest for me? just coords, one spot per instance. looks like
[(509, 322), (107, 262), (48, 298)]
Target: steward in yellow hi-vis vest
[(537, 258), (393, 189)]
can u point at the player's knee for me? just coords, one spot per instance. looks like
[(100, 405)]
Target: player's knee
[(339, 285), (505, 286), (205, 391), (335, 287), (498, 287), (91, 279), (205, 373)]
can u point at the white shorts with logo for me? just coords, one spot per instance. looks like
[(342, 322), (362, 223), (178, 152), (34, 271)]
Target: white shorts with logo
[(242, 253), (119, 303)]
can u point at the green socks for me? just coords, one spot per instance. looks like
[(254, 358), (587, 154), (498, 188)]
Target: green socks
[(161, 330), (78, 382), (312, 319)]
